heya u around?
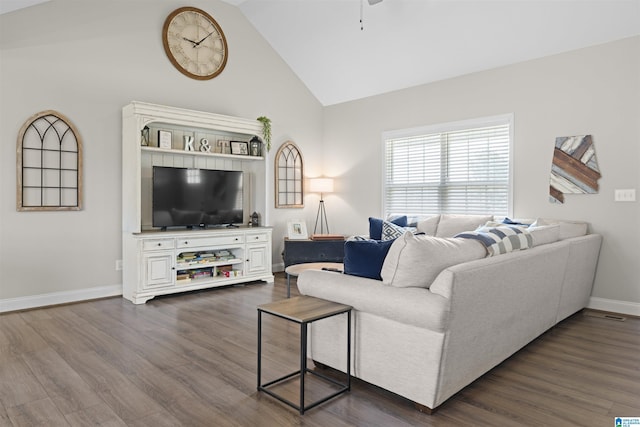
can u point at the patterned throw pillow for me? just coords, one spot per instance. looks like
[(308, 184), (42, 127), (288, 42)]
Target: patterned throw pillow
[(391, 231), (375, 225), (500, 240)]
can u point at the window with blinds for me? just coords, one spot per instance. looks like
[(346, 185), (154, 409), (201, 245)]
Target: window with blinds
[(458, 168)]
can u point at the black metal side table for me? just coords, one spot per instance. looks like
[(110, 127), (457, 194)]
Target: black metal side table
[(304, 310)]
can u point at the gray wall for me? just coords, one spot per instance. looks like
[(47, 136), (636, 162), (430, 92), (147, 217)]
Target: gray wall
[(87, 59), (589, 91)]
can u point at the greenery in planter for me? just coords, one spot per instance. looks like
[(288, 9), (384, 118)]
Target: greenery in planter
[(266, 130)]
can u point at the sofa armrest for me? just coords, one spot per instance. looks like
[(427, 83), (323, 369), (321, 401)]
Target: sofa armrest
[(414, 306)]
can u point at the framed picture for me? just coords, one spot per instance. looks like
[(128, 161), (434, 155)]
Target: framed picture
[(222, 147), (164, 139), (240, 147), (297, 230)]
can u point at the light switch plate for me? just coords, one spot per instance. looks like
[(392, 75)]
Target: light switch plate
[(625, 195)]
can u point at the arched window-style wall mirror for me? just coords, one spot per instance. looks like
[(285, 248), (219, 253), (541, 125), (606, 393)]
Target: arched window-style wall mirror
[(289, 175), (49, 164)]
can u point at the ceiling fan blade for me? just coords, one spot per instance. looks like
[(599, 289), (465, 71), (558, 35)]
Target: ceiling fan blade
[(372, 2)]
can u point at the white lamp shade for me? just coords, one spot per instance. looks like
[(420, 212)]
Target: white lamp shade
[(321, 185)]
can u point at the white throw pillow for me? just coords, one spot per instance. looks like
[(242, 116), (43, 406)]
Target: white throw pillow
[(450, 225), (416, 260)]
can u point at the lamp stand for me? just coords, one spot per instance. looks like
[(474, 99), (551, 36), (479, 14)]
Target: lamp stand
[(322, 216)]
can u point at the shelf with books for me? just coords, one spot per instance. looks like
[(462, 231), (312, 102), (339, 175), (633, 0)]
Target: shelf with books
[(196, 260), (203, 274)]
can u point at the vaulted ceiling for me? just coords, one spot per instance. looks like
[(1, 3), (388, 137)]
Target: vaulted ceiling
[(348, 49), (404, 43)]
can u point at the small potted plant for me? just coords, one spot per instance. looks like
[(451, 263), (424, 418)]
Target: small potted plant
[(266, 130)]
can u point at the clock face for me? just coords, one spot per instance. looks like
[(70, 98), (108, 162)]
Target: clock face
[(194, 43)]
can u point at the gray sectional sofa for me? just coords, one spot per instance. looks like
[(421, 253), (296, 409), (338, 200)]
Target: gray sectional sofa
[(429, 339)]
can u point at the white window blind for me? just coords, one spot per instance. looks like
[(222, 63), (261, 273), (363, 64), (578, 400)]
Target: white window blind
[(461, 171)]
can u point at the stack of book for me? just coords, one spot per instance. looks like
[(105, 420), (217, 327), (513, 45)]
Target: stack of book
[(223, 255), (193, 258), (183, 276)]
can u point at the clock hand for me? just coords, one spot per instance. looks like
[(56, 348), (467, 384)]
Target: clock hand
[(191, 41), (203, 39)]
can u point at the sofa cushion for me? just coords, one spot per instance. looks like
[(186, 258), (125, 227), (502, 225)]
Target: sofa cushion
[(568, 229), (364, 258), (450, 225), (416, 260), (411, 306), (375, 225), (544, 234), (428, 225)]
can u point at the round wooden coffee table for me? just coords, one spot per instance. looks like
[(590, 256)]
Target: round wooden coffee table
[(295, 269)]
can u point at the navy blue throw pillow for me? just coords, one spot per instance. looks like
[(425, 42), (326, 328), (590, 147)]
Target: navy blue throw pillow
[(375, 226), (364, 258)]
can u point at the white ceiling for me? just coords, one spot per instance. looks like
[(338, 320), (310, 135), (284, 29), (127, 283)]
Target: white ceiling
[(411, 42), (7, 6), (406, 43)]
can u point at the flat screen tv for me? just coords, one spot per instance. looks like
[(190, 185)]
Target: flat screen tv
[(185, 197)]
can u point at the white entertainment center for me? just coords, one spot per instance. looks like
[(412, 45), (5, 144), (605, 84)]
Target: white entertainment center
[(157, 262)]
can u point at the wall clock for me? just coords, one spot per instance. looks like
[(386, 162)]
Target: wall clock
[(195, 43)]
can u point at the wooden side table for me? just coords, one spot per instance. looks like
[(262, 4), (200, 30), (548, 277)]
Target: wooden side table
[(304, 310)]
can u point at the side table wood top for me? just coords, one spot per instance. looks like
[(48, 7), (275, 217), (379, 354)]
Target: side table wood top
[(304, 309)]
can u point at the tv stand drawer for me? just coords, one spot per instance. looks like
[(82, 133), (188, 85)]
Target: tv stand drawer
[(156, 245), (193, 242)]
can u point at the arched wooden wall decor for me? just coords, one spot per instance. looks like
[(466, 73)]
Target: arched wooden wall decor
[(289, 176), (49, 164)]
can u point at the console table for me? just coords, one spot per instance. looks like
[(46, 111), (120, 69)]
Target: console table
[(304, 251)]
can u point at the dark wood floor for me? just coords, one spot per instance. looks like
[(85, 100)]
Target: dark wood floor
[(191, 360)]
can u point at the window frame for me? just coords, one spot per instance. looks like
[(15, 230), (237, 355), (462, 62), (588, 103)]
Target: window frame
[(441, 128)]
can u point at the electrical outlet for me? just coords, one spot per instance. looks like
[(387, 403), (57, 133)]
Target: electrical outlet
[(118, 264), (626, 195)]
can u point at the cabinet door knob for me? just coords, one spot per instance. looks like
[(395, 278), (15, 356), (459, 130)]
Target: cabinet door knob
[(159, 244)]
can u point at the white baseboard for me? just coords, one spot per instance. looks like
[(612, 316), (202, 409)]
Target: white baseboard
[(615, 306), (42, 300), (278, 267)]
